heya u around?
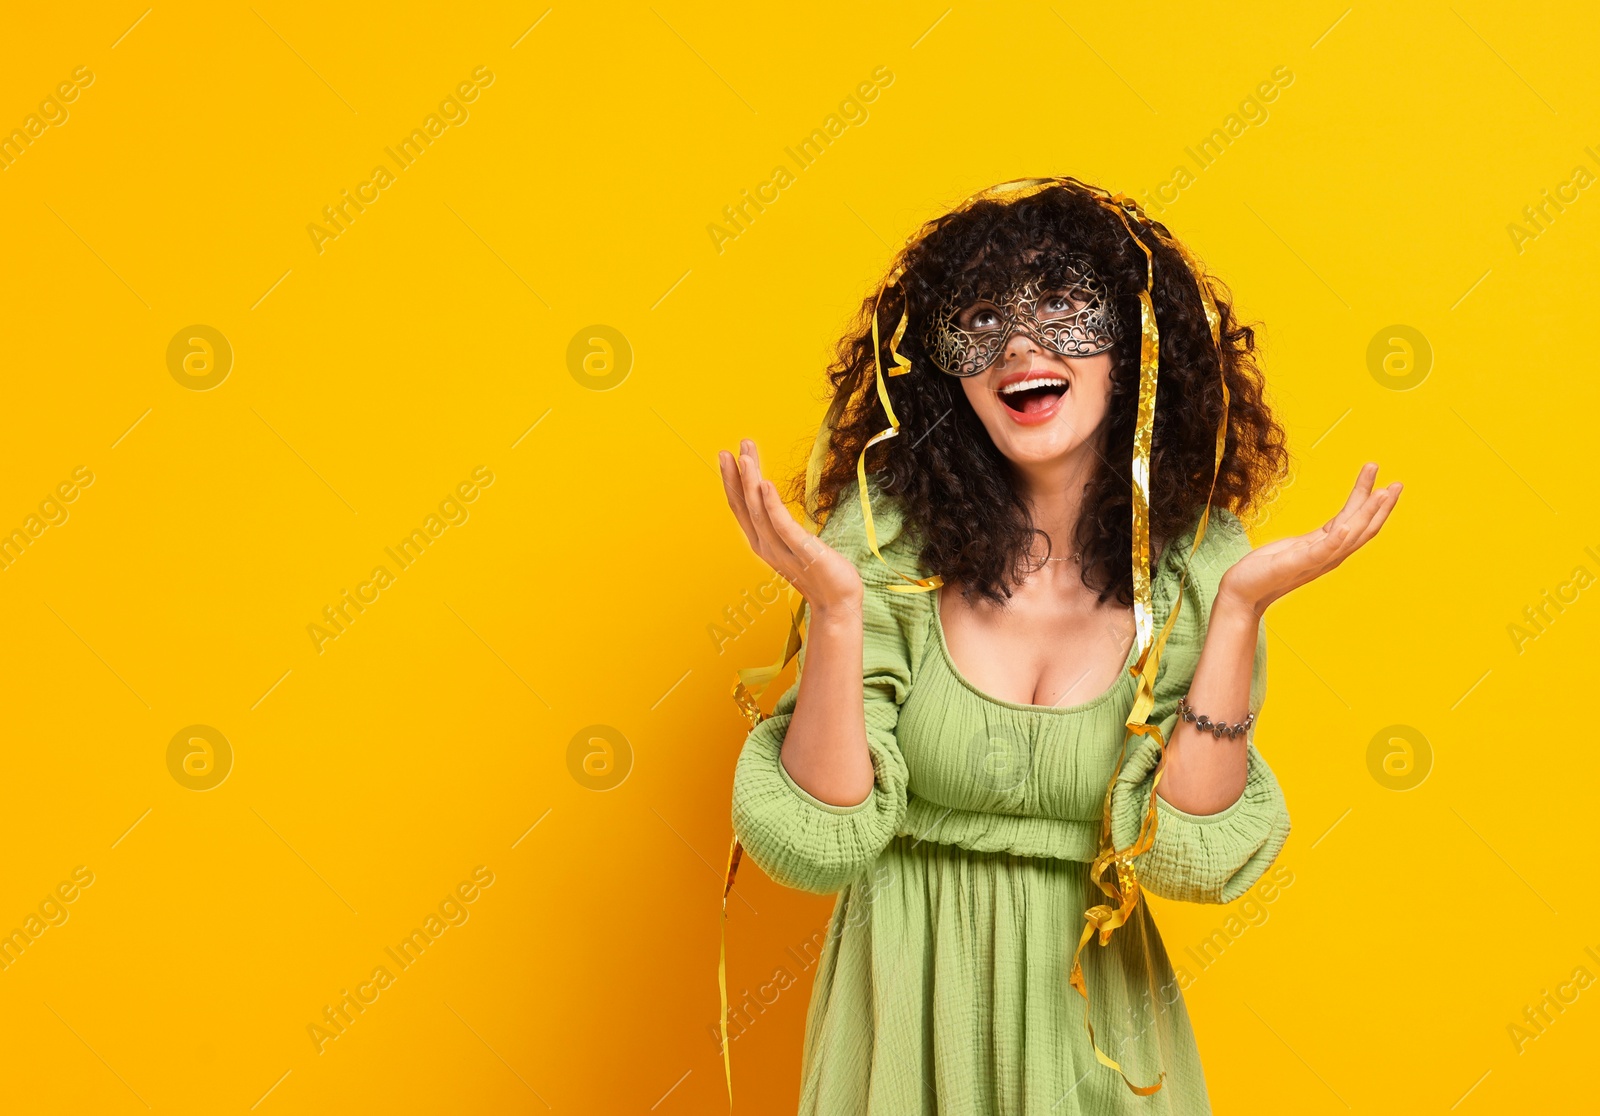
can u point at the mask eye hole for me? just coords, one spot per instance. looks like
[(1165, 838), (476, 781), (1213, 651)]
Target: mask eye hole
[(1062, 302), (980, 317)]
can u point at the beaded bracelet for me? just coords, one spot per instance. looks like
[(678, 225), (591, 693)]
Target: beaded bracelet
[(1218, 729)]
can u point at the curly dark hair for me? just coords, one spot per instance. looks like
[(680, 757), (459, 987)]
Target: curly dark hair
[(955, 489)]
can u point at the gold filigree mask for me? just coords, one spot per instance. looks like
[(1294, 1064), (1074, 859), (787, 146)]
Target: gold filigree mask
[(1061, 304)]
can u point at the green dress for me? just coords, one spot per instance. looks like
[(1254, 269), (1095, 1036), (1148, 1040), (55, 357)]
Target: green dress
[(962, 879)]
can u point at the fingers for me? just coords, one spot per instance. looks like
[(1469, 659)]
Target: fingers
[(1286, 564), (742, 484), (1386, 500), (800, 542), (735, 494), (1325, 546), (1358, 494), (768, 526), (750, 486), (772, 549), (1365, 522), (776, 536)]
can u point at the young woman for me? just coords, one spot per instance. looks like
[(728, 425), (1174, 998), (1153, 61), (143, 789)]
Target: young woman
[(953, 759)]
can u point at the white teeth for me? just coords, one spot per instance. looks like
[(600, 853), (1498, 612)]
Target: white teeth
[(1035, 382)]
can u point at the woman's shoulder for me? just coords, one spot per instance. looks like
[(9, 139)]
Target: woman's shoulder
[(1225, 542), (846, 530)]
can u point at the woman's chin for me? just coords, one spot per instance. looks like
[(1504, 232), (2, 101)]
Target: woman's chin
[(1035, 438), (1039, 445)]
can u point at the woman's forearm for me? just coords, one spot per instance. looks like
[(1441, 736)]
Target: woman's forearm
[(825, 745), (1204, 773)]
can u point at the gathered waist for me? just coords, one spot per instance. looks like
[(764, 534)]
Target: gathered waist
[(1054, 838)]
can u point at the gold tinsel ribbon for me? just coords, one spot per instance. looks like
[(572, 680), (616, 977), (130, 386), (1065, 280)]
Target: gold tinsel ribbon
[(1101, 919), (735, 852), (901, 367)]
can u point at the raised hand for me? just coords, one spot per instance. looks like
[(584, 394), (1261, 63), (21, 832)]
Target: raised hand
[(1270, 571), (827, 579)]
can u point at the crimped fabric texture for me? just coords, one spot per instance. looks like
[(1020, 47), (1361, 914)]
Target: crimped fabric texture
[(963, 876)]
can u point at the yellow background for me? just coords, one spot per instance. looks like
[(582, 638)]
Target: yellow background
[(371, 378)]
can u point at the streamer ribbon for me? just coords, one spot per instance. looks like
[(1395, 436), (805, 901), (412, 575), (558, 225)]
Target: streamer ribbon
[(1104, 918)]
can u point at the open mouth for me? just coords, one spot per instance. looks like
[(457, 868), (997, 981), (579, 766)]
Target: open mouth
[(1034, 395)]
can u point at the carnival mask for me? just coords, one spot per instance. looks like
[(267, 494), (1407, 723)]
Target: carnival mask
[(1061, 303)]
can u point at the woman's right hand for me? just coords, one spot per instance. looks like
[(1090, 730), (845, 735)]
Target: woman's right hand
[(828, 580)]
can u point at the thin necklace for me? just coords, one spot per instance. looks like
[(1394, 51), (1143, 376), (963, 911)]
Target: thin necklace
[(1074, 558)]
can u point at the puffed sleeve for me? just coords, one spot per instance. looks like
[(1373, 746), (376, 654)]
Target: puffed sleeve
[(1212, 858), (797, 839)]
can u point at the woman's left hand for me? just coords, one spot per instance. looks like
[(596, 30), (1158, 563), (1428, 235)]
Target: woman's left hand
[(1270, 571)]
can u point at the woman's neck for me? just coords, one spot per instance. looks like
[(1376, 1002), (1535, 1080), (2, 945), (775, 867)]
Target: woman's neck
[(1054, 494)]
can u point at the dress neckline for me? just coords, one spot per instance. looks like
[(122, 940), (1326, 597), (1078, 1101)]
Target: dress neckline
[(1122, 680)]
